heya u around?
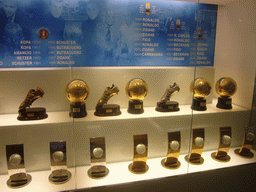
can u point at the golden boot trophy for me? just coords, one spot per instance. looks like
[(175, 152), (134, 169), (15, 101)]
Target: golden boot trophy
[(104, 109), (35, 113)]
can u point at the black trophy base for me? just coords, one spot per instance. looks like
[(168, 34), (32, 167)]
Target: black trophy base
[(32, 114), (108, 110), (169, 106), (77, 110), (224, 103), (135, 107), (199, 104)]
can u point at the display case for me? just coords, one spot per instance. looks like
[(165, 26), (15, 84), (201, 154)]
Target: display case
[(135, 93)]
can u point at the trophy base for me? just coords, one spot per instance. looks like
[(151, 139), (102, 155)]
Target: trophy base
[(169, 106), (224, 103), (135, 107), (138, 170), (77, 110), (59, 176), (32, 114), (173, 165), (108, 110), (224, 159), (98, 172), (197, 161), (199, 104), (19, 183), (244, 153)]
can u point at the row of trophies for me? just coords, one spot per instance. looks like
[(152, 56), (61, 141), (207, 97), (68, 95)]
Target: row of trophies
[(58, 156), (77, 91)]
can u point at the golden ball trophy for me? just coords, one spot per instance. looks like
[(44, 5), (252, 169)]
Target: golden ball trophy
[(165, 105), (200, 88), (225, 88), (104, 109), (77, 91), (137, 90), (32, 113)]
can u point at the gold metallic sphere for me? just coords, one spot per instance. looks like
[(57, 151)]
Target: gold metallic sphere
[(226, 87), (201, 88), (136, 89), (77, 91)]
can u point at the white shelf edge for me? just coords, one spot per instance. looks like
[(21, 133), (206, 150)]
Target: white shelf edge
[(149, 112), (119, 173)]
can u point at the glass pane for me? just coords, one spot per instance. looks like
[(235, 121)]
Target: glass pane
[(226, 112)]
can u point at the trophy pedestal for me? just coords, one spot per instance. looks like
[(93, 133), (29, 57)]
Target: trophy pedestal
[(199, 104), (223, 157), (138, 167), (170, 163), (77, 110), (135, 107), (245, 153), (32, 114), (224, 103), (194, 159), (59, 176), (107, 110), (98, 172), (19, 180), (169, 106)]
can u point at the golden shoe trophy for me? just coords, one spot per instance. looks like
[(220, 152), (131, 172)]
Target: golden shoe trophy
[(104, 109), (225, 87), (77, 91), (200, 88), (137, 90), (35, 113), (165, 105)]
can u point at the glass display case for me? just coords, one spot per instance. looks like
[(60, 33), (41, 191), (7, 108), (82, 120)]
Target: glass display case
[(107, 93)]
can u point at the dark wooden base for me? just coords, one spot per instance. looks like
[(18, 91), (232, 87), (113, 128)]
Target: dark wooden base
[(32, 114), (108, 110), (169, 106), (135, 107)]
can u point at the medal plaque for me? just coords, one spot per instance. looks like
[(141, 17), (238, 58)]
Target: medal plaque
[(140, 155), (224, 145), (98, 168), (16, 167), (173, 153), (249, 138), (58, 156), (197, 147)]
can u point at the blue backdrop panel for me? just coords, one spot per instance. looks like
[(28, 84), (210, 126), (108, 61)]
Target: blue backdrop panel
[(59, 33)]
